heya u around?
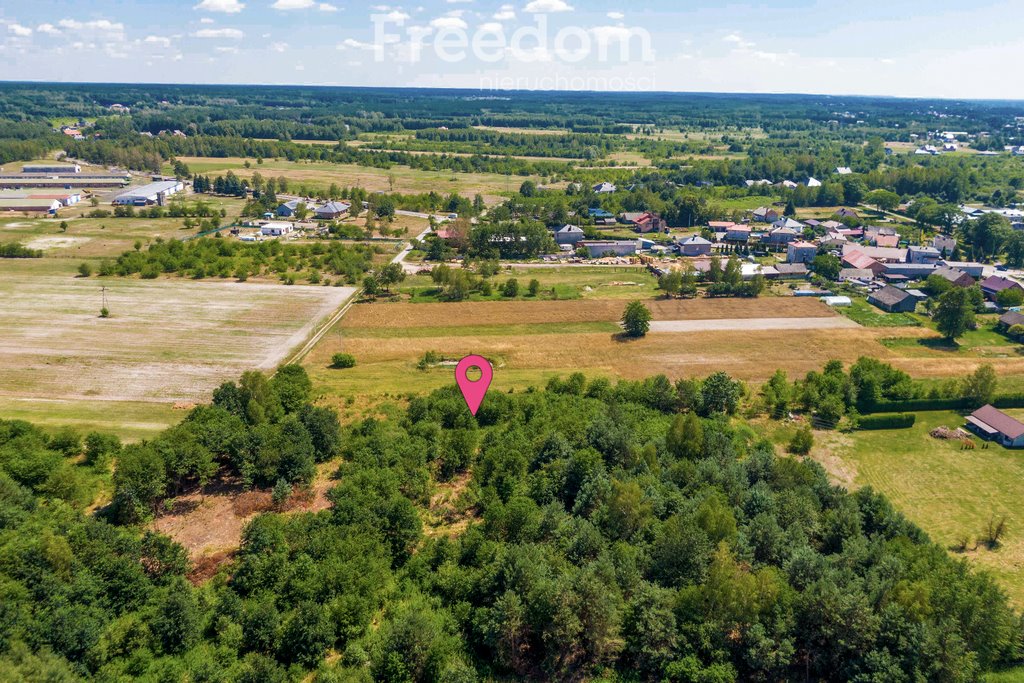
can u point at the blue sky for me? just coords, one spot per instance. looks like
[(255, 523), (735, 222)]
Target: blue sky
[(897, 47)]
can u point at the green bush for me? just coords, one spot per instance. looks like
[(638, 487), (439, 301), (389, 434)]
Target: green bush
[(888, 421), (341, 361)]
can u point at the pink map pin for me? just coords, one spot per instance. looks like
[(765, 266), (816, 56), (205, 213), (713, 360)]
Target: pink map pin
[(474, 392)]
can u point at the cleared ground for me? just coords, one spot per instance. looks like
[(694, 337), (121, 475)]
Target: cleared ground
[(168, 341)]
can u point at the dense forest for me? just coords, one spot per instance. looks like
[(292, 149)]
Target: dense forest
[(626, 532)]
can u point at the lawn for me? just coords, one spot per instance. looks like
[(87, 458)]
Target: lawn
[(985, 342), (167, 342), (869, 316), (564, 283), (949, 492)]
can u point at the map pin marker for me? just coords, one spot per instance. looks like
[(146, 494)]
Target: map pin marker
[(474, 392)]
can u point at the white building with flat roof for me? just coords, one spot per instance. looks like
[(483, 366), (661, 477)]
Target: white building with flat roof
[(154, 193)]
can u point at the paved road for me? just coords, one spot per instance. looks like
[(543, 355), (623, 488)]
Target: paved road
[(753, 324), (410, 267), (426, 216)]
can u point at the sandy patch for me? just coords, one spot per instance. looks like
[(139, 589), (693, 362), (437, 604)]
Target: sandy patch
[(47, 243)]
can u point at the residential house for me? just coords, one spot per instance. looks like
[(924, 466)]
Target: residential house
[(847, 213), (994, 425), (813, 182), (720, 226), (992, 286), (859, 260), (1009, 320), (695, 246), (893, 300), (569, 234), (765, 214), (287, 210), (844, 170), (801, 252), (604, 188), (332, 211), (945, 244), (929, 255), (954, 276), (738, 234), (780, 237), (644, 223)]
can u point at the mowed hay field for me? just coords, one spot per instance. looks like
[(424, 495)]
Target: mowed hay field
[(531, 341), (949, 492), (168, 342)]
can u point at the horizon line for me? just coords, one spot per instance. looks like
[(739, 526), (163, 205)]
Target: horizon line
[(512, 91)]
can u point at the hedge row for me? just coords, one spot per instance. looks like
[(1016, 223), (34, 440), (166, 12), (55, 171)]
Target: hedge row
[(889, 421), (923, 405)]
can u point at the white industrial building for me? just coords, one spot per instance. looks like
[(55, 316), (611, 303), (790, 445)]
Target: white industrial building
[(51, 168), (276, 228), (154, 193)]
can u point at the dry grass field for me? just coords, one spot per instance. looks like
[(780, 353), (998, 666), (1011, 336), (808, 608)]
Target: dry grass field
[(320, 175), (168, 342), (531, 341)]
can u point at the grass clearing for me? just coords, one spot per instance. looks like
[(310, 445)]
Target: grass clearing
[(869, 316), (948, 491)]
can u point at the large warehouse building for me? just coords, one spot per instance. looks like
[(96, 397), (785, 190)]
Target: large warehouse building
[(154, 193), (51, 168)]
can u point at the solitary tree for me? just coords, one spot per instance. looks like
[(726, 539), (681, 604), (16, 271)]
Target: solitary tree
[(636, 319), (954, 314)]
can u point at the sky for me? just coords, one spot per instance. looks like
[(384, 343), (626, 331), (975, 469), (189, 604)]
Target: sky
[(905, 48)]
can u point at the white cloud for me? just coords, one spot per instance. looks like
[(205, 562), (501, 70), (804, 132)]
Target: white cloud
[(492, 26), (230, 33), (96, 25), (351, 43), (48, 29), (505, 13), (395, 16), (738, 40), (227, 49), (452, 20), (157, 40), (327, 7), (279, 47), (286, 5), (206, 20), (19, 30), (544, 6), (226, 6), (616, 16)]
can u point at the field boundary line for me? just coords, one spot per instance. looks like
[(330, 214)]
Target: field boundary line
[(322, 329)]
